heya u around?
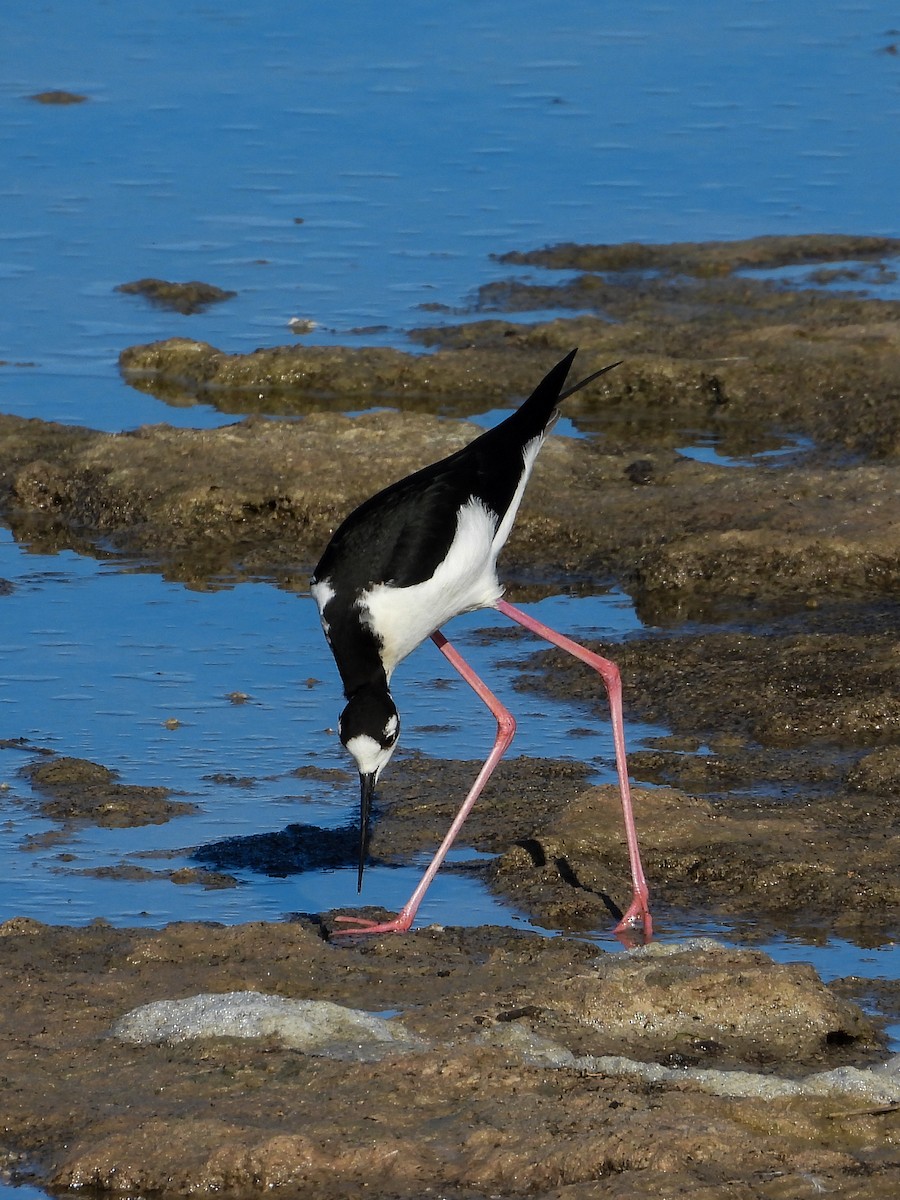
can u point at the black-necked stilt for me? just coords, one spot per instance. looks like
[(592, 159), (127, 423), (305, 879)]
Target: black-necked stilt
[(407, 560)]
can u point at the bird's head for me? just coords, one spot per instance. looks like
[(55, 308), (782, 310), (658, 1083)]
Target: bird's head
[(369, 727)]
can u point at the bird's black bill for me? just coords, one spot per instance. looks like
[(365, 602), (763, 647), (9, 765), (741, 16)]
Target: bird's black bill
[(366, 791), (576, 387)]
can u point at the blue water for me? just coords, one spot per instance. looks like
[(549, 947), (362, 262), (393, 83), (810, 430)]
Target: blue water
[(349, 169), (704, 448), (413, 142)]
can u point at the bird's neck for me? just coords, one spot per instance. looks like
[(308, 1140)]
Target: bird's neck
[(376, 681), (357, 653)]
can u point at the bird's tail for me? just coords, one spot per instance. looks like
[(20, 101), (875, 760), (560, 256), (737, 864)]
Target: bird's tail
[(538, 412)]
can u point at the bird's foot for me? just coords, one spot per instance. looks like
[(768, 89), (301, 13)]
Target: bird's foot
[(637, 915), (363, 926)]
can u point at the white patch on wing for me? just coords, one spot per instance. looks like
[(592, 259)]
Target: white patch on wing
[(466, 579), (322, 591)]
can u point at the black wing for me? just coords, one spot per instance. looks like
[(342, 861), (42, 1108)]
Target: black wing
[(402, 533)]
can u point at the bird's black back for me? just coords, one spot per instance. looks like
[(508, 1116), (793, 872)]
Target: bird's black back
[(402, 533)]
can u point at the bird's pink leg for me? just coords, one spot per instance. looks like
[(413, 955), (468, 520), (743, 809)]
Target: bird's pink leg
[(638, 911), (506, 728)]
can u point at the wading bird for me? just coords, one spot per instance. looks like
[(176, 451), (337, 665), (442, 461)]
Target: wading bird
[(404, 563)]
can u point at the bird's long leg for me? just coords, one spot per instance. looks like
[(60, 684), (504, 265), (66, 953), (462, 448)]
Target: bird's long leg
[(638, 911), (506, 728)]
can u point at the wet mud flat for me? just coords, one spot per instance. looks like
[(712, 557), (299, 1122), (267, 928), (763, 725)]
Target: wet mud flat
[(767, 584), (461, 1062)]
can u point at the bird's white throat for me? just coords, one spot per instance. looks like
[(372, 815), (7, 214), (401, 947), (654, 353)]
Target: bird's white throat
[(370, 756)]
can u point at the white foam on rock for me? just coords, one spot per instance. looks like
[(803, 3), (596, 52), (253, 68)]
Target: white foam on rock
[(324, 1028), (871, 1085), (668, 949), (316, 1026)]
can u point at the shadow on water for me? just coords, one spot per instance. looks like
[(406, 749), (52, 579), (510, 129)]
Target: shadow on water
[(299, 848)]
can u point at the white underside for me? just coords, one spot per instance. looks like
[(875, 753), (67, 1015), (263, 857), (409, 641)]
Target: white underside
[(467, 579)]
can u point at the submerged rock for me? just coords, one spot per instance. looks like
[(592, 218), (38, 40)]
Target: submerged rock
[(76, 789), (57, 96), (186, 298)]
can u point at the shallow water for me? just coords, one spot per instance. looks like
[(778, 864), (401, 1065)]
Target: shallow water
[(412, 144), (101, 663), (349, 173)]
